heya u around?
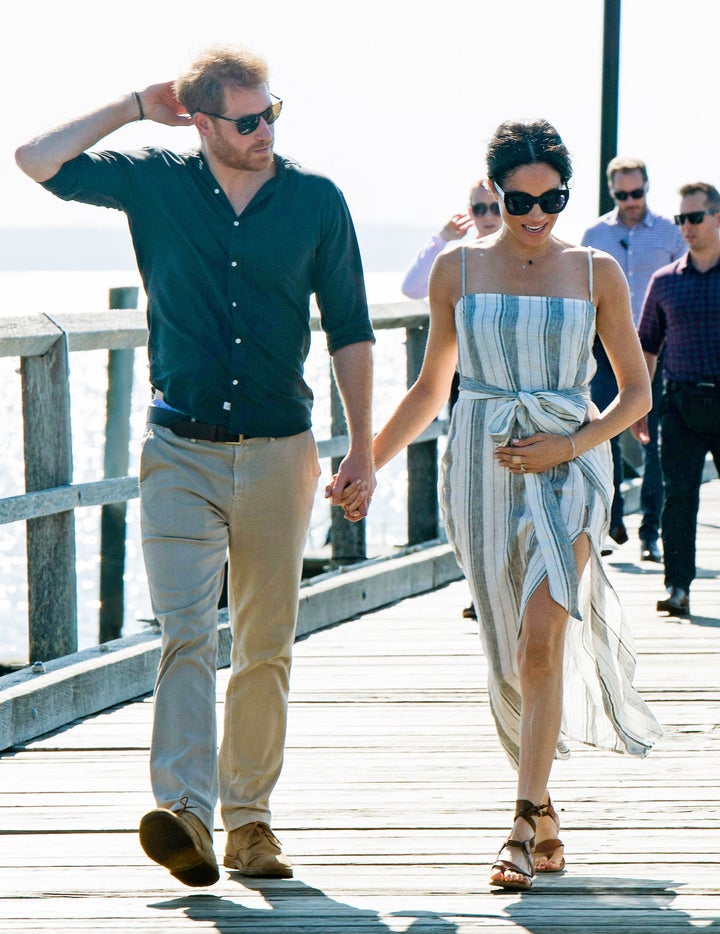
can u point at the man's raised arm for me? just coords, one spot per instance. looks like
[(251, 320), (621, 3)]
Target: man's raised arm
[(42, 157)]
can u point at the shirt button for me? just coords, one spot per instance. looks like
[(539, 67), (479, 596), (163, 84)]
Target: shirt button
[(235, 382), (234, 263), (217, 191), (233, 304), (236, 223), (238, 340)]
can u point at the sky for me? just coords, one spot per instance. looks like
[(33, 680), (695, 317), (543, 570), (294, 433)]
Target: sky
[(393, 99)]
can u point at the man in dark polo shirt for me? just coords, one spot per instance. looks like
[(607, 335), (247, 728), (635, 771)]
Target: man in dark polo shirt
[(231, 240), (681, 313)]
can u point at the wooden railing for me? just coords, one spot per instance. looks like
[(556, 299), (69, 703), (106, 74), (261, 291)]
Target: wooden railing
[(43, 342)]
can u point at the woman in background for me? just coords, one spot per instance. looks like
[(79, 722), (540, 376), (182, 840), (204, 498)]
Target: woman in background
[(483, 214)]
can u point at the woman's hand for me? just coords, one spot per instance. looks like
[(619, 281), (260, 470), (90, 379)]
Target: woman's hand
[(354, 499), (535, 454), (456, 227)]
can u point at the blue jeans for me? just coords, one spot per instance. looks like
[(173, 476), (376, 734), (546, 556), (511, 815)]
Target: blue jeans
[(603, 389), (682, 453)]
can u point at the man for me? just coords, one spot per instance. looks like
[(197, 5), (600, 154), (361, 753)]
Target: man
[(231, 240), (641, 242), (682, 313)]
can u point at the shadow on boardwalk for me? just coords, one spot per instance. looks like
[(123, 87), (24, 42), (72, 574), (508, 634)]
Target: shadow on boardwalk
[(291, 904)]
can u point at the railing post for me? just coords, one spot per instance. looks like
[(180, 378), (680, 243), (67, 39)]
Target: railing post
[(347, 538), (117, 444), (422, 470), (52, 584)]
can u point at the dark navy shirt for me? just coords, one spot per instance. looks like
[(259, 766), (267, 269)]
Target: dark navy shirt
[(682, 311), (229, 295)]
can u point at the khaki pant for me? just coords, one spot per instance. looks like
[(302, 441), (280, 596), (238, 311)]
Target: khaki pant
[(200, 502)]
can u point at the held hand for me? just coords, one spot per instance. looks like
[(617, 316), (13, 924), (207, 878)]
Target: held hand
[(353, 500), (160, 104), (456, 227), (640, 430), (352, 487), (535, 454)]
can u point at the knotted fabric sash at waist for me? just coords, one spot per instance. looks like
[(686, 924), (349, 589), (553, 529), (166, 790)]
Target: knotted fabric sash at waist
[(551, 412)]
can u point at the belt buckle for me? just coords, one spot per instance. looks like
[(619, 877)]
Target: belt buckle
[(240, 440)]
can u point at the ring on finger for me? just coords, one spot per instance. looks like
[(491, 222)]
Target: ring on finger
[(523, 468)]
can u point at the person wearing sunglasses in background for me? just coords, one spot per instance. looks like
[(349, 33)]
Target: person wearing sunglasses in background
[(484, 215), (681, 319), (527, 477), (231, 241), (641, 242)]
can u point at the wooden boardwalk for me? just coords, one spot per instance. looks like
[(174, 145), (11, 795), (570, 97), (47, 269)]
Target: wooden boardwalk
[(395, 795)]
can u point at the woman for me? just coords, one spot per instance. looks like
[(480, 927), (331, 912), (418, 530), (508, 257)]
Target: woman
[(527, 477), (483, 213)]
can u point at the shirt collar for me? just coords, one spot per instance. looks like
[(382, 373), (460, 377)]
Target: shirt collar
[(686, 265)]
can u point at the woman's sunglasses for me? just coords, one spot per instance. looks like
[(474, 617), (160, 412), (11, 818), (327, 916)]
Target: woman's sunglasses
[(249, 123), (692, 217), (481, 209), (520, 202)]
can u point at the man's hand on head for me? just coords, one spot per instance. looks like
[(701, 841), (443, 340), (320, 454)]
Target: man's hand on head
[(160, 104)]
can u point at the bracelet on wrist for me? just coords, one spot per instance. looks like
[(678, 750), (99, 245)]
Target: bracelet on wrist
[(138, 101), (574, 453)]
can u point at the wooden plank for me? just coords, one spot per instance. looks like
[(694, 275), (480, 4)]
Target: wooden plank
[(60, 499), (52, 583), (27, 335)]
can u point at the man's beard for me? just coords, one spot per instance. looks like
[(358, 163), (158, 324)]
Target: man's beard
[(249, 161)]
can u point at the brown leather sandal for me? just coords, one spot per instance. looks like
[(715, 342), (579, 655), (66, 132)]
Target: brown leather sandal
[(547, 847), (528, 811)]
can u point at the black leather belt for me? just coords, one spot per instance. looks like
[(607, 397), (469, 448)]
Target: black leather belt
[(185, 427)]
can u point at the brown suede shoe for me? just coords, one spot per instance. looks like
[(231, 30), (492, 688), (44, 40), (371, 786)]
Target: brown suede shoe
[(254, 850), (180, 841)]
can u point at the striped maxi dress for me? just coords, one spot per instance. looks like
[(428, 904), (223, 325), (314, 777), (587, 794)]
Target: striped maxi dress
[(525, 364)]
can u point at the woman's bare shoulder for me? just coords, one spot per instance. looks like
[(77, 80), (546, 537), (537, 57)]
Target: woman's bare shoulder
[(602, 261)]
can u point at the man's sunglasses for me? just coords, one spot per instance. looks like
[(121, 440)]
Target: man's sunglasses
[(249, 123), (520, 202), (636, 194), (692, 217), (480, 209)]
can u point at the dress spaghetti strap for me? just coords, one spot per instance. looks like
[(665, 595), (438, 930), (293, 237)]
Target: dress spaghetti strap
[(590, 273), (462, 275)]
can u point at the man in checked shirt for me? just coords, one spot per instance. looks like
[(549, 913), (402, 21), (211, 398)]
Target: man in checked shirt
[(681, 315)]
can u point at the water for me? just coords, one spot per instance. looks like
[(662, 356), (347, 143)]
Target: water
[(54, 292)]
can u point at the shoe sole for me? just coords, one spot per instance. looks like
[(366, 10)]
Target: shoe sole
[(167, 842), (672, 610), (282, 872)]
